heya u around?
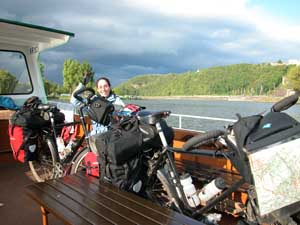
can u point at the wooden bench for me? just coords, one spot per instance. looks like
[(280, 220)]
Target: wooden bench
[(81, 199), (4, 117)]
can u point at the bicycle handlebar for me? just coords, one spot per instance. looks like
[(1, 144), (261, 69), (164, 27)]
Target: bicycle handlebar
[(80, 91), (202, 139), (46, 107), (285, 103)]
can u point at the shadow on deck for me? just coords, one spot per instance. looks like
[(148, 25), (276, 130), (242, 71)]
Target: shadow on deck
[(15, 207)]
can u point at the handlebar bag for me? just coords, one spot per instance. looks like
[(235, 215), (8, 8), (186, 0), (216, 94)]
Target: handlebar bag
[(272, 128), (100, 109), (273, 156)]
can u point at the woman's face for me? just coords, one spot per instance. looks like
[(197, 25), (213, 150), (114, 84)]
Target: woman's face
[(103, 88)]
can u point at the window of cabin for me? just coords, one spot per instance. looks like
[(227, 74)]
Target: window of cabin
[(14, 75)]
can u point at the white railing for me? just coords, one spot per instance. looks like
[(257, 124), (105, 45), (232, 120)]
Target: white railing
[(181, 116), (67, 109)]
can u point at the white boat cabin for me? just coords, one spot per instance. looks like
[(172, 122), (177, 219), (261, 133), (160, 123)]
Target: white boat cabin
[(20, 76), (20, 46)]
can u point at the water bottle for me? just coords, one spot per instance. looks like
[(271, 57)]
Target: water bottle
[(60, 147), (189, 190), (211, 190), (69, 147)]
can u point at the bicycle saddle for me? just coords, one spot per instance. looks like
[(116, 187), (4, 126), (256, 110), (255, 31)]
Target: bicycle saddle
[(152, 117)]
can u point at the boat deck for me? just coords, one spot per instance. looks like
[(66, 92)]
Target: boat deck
[(16, 208)]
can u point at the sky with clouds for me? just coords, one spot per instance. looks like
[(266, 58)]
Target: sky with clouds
[(125, 38)]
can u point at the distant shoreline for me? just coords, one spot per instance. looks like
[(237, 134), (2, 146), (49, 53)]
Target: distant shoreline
[(261, 98)]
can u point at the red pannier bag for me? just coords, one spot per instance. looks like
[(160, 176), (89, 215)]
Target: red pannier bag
[(69, 133), (92, 165), (23, 143), (16, 138)]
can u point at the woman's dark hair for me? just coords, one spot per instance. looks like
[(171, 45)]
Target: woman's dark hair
[(108, 82), (103, 78)]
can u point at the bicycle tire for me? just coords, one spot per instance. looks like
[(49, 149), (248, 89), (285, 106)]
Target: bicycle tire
[(163, 193), (43, 168), (78, 162), (285, 103), (202, 139)]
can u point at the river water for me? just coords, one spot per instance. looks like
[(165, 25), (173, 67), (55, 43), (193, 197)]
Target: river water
[(208, 108)]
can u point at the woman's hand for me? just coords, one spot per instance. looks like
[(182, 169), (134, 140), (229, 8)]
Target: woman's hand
[(86, 77)]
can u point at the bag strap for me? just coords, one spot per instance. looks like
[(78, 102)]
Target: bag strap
[(103, 162)]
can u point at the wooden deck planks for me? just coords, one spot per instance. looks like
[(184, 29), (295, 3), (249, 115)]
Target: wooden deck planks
[(80, 199)]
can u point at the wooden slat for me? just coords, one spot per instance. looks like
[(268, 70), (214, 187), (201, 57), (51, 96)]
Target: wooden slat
[(80, 199), (139, 208), (5, 114), (136, 203), (78, 206), (53, 206), (102, 204)]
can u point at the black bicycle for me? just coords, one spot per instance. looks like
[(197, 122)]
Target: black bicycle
[(245, 143), (264, 150), (51, 159), (239, 142)]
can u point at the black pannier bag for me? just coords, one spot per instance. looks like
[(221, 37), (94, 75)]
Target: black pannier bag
[(24, 126), (151, 137), (100, 109), (31, 117), (119, 153), (272, 128)]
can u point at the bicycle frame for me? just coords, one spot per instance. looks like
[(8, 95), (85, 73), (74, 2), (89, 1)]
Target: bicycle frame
[(165, 161)]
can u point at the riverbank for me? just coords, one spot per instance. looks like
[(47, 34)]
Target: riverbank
[(260, 98)]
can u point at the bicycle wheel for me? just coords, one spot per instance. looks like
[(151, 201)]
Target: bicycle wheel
[(78, 163), (162, 192), (44, 167)]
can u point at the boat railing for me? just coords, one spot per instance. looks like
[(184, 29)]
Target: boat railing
[(180, 121), (181, 124)]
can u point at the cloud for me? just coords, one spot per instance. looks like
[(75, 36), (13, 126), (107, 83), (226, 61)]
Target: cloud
[(125, 38), (193, 8)]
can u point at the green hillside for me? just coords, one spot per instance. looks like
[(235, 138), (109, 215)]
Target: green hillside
[(249, 79)]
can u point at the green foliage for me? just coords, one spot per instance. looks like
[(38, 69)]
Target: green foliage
[(240, 79), (73, 73), (8, 82), (51, 88), (293, 78)]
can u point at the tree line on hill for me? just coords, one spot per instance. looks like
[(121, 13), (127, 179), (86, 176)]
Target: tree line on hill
[(238, 79)]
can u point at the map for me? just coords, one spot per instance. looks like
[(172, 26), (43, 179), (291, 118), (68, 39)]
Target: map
[(276, 174)]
